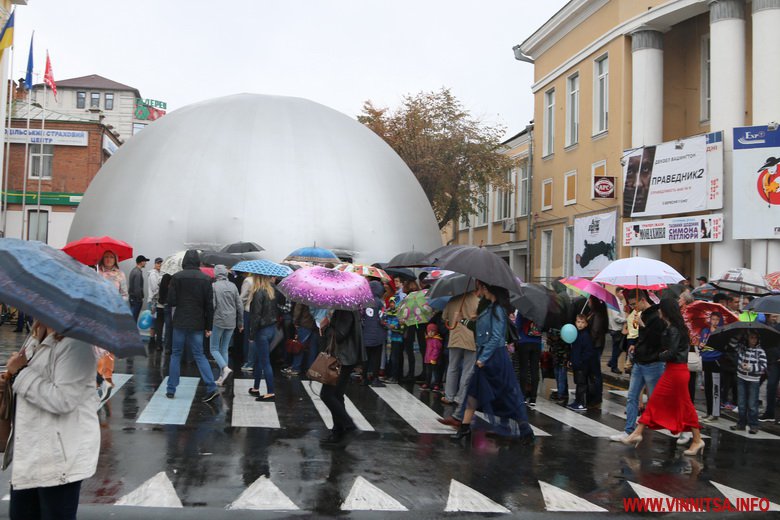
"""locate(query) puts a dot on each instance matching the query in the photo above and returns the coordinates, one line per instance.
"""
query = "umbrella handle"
(460, 310)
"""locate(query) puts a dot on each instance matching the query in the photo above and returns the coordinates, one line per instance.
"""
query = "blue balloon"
(569, 333)
(145, 320)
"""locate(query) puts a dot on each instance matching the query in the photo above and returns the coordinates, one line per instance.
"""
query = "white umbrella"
(172, 264)
(637, 272)
(742, 281)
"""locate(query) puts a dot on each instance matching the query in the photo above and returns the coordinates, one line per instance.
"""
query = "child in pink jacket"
(433, 348)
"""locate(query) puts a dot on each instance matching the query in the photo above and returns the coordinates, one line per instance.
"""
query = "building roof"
(93, 81)
(22, 107)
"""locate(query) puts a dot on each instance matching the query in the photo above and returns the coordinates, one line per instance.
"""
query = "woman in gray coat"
(228, 316)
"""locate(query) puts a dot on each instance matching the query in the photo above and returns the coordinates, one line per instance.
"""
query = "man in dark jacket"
(190, 295)
(135, 289)
(648, 367)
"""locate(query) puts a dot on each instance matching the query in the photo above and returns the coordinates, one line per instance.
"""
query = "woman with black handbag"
(344, 340)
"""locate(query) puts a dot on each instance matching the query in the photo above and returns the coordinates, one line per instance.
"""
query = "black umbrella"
(476, 262)
(241, 247)
(533, 301)
(767, 304)
(720, 338)
(453, 285)
(226, 259)
(407, 259)
(402, 273)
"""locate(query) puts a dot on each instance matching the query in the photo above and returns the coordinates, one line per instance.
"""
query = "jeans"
(219, 344)
(168, 329)
(249, 351)
(311, 339)
(333, 397)
(772, 379)
(194, 340)
(529, 354)
(135, 308)
(617, 347)
(45, 503)
(461, 366)
(642, 375)
(562, 381)
(748, 402)
(397, 359)
(263, 338)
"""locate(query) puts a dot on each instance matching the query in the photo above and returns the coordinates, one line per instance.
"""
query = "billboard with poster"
(680, 230)
(675, 177)
(756, 186)
(594, 243)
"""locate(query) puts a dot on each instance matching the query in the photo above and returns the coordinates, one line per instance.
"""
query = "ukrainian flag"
(7, 36)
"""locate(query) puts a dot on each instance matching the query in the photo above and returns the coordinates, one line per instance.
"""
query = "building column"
(727, 110)
(765, 254)
(647, 99)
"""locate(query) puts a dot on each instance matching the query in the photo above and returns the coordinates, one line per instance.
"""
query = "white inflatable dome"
(280, 171)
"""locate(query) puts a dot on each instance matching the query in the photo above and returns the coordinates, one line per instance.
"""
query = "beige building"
(501, 224)
(612, 75)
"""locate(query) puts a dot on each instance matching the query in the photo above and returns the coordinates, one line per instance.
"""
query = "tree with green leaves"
(454, 155)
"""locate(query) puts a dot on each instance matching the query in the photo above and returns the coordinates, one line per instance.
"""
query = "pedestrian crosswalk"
(245, 412)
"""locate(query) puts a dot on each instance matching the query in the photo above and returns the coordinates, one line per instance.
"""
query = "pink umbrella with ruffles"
(327, 289)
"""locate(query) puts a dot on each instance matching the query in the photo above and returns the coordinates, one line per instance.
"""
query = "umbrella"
(721, 338)
(697, 316)
(241, 247)
(773, 280)
(415, 309)
(585, 287)
(90, 250)
(438, 304)
(533, 301)
(705, 292)
(327, 289)
(316, 255)
(637, 272)
(406, 259)
(226, 259)
(364, 270)
(453, 285)
(401, 272)
(172, 264)
(476, 262)
(767, 304)
(208, 271)
(742, 281)
(262, 267)
(292, 264)
(67, 296)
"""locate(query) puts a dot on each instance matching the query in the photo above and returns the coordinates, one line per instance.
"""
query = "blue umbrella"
(262, 267)
(67, 296)
(313, 254)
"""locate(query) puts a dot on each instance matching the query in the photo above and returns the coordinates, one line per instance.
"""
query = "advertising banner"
(47, 136)
(756, 187)
(673, 177)
(594, 243)
(703, 228)
(603, 187)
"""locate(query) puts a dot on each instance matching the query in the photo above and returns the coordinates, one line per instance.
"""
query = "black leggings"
(528, 355)
(47, 503)
(374, 362)
(692, 386)
(409, 335)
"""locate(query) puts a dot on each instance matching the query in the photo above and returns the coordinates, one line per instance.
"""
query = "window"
(601, 95)
(38, 225)
(465, 221)
(546, 257)
(137, 127)
(482, 212)
(504, 198)
(597, 169)
(570, 188)
(573, 110)
(547, 201)
(40, 161)
(548, 145)
(81, 99)
(705, 78)
(568, 251)
(523, 189)
(94, 100)
(109, 103)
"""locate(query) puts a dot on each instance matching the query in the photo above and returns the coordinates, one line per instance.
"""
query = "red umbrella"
(90, 250)
(697, 316)
(208, 270)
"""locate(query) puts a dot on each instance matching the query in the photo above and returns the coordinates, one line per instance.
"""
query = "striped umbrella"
(67, 296)
(585, 287)
(364, 270)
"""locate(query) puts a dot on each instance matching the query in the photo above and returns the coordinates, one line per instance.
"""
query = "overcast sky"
(337, 52)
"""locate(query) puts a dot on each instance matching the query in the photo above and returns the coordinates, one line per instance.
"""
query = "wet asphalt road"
(210, 462)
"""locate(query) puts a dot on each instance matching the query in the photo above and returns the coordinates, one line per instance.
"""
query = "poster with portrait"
(594, 243)
(756, 186)
(680, 230)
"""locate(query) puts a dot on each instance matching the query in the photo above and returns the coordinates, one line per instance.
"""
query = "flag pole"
(6, 173)
(41, 162)
(26, 165)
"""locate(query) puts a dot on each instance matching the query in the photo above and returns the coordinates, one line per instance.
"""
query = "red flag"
(48, 76)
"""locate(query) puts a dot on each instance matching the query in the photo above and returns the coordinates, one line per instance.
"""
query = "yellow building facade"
(612, 75)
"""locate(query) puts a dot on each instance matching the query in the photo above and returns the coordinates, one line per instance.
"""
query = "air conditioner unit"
(509, 226)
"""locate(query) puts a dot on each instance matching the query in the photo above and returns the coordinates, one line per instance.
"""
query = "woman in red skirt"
(670, 404)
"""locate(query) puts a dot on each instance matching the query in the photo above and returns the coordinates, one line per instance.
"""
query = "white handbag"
(694, 360)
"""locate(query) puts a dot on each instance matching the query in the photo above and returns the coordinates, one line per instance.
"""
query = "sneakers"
(577, 407)
(618, 437)
(376, 383)
(290, 372)
(531, 401)
(169, 395)
(737, 427)
(226, 373)
(211, 396)
(765, 418)
(709, 419)
(554, 395)
(684, 438)
(247, 368)
(753, 430)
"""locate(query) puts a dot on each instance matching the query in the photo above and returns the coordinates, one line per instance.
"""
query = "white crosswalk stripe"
(574, 419)
(725, 425)
(463, 498)
(313, 388)
(666, 502)
(263, 495)
(557, 499)
(119, 382)
(734, 495)
(158, 491)
(416, 413)
(364, 496)
(161, 410)
(247, 412)
(537, 431)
